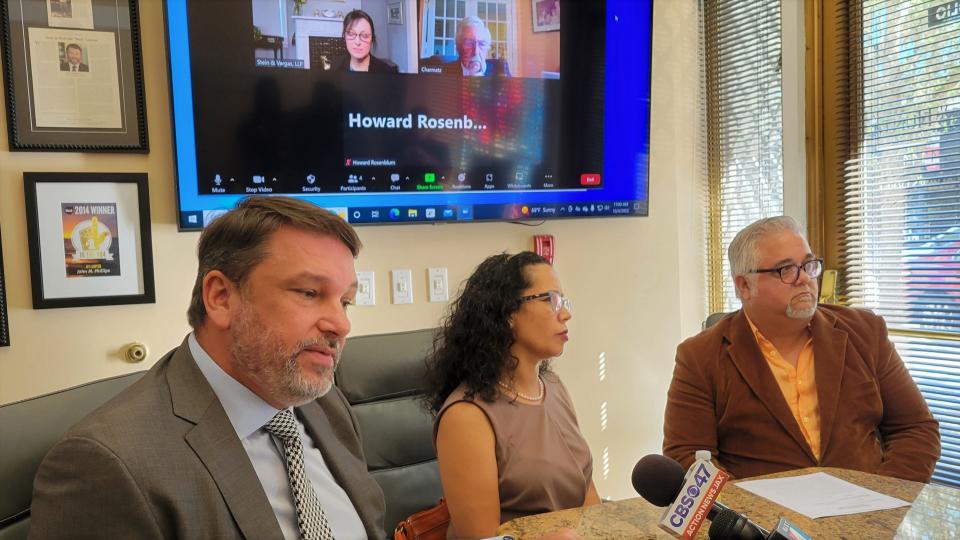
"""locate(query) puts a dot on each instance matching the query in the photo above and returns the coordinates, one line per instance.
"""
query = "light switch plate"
(437, 284)
(401, 286)
(366, 289)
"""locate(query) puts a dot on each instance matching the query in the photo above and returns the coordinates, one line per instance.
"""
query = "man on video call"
(785, 384)
(74, 55)
(473, 44)
(239, 431)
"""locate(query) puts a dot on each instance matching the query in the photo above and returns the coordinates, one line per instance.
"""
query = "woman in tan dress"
(506, 432)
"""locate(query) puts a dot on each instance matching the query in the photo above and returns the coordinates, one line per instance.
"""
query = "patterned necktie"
(310, 517)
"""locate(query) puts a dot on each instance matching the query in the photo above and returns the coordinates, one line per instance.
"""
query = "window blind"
(899, 237)
(742, 79)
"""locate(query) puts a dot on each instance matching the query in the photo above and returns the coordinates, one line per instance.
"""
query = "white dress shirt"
(248, 413)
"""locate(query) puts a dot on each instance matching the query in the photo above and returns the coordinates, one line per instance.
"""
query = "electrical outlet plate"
(366, 289)
(401, 286)
(437, 284)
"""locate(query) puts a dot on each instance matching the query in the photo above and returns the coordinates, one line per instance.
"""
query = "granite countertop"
(935, 513)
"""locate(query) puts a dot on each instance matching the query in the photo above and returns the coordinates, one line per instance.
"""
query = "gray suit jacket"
(161, 460)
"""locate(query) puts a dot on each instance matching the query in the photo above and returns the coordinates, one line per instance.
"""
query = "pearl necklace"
(528, 398)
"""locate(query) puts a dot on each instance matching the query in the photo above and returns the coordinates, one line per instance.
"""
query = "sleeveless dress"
(543, 461)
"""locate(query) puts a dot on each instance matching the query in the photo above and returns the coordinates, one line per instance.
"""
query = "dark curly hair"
(473, 345)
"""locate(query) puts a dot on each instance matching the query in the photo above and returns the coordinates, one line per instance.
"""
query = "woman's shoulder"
(462, 394)
(459, 394)
(461, 412)
(382, 66)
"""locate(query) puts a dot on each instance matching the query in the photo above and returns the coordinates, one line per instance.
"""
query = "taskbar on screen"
(198, 219)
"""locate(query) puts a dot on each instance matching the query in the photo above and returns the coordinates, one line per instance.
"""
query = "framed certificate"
(89, 236)
(74, 75)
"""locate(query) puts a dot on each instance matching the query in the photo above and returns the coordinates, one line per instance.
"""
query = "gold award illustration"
(90, 239)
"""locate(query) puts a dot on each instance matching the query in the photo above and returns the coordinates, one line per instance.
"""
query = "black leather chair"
(714, 318)
(28, 429)
(382, 378)
(381, 375)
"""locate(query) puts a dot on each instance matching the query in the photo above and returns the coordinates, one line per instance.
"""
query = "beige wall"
(636, 282)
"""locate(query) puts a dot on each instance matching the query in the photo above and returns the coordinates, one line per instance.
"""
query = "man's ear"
(221, 298)
(743, 287)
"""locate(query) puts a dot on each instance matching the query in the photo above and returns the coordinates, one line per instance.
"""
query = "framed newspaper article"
(89, 236)
(74, 75)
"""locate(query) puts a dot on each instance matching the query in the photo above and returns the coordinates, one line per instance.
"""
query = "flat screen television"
(555, 125)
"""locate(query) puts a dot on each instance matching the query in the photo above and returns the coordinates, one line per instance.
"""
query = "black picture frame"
(4, 320)
(93, 105)
(89, 238)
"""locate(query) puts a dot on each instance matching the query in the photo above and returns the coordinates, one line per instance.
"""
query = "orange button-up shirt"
(798, 385)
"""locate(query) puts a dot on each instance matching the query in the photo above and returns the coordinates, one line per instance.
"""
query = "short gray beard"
(258, 353)
(805, 313)
(792, 312)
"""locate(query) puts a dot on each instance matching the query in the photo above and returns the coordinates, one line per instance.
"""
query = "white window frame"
(429, 19)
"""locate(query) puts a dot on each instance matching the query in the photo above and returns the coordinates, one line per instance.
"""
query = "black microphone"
(659, 479)
(728, 524)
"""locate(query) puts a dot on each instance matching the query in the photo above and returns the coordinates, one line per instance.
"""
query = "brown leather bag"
(429, 524)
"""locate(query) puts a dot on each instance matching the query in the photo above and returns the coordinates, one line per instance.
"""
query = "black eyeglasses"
(364, 37)
(790, 273)
(557, 300)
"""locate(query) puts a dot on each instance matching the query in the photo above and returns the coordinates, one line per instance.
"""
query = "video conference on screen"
(459, 107)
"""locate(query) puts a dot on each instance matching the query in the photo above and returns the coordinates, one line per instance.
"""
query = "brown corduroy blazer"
(724, 398)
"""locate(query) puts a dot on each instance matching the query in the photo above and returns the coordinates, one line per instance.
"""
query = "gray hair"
(474, 21)
(742, 252)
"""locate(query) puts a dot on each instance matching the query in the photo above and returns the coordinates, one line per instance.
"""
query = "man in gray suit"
(193, 449)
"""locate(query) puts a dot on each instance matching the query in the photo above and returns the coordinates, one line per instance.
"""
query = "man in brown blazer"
(190, 450)
(786, 384)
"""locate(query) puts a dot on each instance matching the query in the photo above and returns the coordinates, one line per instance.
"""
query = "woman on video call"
(506, 433)
(359, 37)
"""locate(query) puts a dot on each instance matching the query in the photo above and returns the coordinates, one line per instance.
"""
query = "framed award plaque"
(89, 236)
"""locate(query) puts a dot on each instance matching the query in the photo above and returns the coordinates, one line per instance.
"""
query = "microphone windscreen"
(658, 479)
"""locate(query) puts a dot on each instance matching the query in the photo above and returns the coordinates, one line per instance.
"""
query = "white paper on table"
(819, 495)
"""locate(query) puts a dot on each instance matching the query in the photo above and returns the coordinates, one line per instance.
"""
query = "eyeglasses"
(364, 37)
(790, 273)
(557, 300)
(475, 43)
